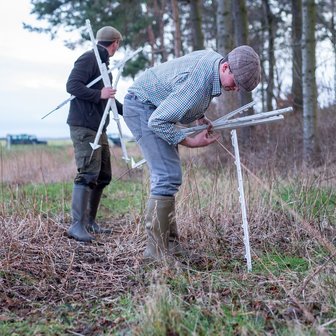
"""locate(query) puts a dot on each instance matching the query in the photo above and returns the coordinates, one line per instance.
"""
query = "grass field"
(51, 285)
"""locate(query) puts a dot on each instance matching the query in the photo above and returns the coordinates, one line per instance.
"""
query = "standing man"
(85, 115)
(179, 91)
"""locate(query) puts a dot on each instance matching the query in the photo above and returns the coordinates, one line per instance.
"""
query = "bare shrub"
(41, 269)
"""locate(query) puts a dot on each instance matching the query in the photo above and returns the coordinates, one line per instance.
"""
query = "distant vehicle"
(115, 139)
(24, 139)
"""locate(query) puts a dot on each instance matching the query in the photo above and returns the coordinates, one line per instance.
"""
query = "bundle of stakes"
(226, 122)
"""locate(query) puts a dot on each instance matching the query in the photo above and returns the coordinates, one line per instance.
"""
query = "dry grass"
(104, 287)
(35, 164)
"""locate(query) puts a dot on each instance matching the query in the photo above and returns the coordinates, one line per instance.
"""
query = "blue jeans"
(163, 159)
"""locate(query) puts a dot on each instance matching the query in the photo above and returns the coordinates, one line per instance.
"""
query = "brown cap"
(108, 33)
(244, 63)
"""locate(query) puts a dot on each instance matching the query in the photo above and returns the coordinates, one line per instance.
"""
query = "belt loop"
(131, 96)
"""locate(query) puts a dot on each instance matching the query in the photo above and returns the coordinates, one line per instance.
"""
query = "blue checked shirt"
(181, 89)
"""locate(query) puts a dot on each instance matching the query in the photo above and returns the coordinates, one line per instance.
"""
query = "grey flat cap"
(108, 33)
(244, 63)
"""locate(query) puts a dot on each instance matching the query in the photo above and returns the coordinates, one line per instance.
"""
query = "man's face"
(114, 47)
(227, 78)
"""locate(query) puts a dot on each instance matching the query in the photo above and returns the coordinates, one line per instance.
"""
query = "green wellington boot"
(175, 246)
(157, 226)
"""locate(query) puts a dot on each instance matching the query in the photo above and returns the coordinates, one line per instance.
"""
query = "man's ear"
(224, 66)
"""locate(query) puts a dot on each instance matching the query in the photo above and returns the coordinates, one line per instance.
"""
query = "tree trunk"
(227, 101)
(270, 24)
(196, 23)
(311, 151)
(177, 26)
(224, 27)
(297, 55)
(159, 10)
(241, 34)
(151, 41)
(333, 41)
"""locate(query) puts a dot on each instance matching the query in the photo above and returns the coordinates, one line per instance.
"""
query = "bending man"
(179, 91)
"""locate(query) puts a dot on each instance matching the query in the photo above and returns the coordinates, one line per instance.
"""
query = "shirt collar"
(104, 55)
(216, 87)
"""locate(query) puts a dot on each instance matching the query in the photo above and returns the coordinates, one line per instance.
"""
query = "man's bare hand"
(107, 93)
(204, 121)
(202, 139)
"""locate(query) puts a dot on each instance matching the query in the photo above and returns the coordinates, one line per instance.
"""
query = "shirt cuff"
(180, 136)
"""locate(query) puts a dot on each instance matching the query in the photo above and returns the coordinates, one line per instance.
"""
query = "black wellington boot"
(80, 199)
(93, 205)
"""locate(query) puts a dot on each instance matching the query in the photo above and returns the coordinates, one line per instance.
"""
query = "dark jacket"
(87, 109)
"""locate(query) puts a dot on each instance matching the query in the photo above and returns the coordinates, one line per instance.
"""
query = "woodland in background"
(52, 285)
(295, 39)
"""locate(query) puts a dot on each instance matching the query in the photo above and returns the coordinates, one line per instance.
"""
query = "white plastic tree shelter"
(242, 200)
(118, 66)
(111, 104)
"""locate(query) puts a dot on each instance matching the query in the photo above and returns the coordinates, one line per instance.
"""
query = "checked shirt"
(181, 90)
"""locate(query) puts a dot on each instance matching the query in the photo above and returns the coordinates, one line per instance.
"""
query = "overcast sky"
(33, 73)
(34, 70)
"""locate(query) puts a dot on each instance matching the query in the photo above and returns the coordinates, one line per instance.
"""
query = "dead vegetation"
(105, 288)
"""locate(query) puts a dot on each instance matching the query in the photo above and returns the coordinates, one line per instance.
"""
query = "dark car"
(25, 139)
(115, 139)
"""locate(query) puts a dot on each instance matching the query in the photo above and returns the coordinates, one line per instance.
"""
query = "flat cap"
(244, 63)
(108, 33)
